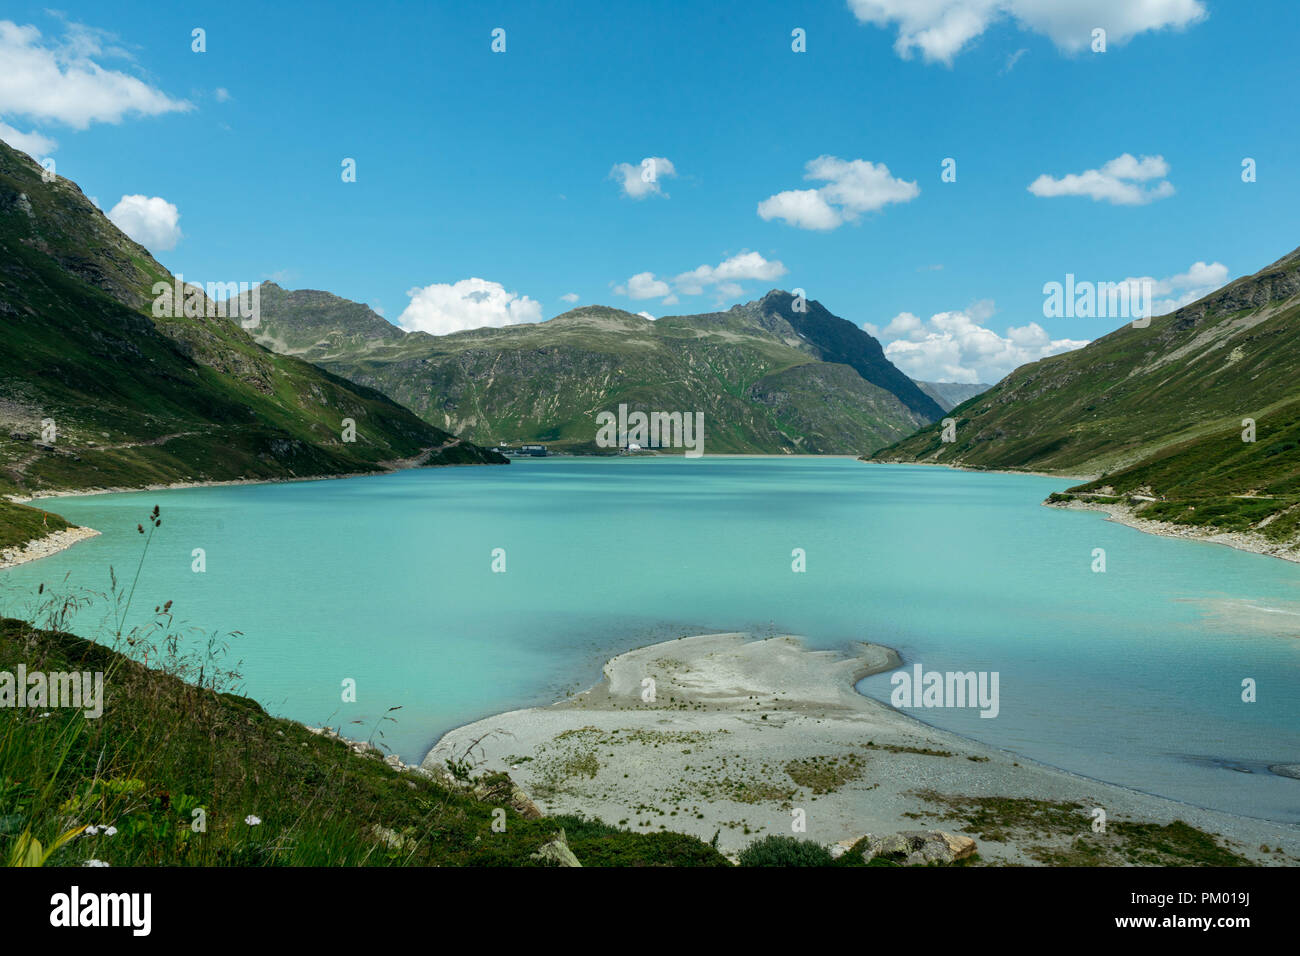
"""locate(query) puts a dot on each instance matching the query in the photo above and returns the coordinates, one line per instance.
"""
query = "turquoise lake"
(1133, 676)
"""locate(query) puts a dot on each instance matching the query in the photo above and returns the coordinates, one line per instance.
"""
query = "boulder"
(920, 847)
(389, 838)
(844, 846)
(501, 790)
(557, 852)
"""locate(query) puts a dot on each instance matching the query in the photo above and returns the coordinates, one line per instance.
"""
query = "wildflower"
(94, 863)
(253, 821)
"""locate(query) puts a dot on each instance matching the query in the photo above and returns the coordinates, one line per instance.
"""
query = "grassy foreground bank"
(186, 774)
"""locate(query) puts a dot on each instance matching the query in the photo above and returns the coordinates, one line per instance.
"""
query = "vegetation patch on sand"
(1060, 833)
(825, 774)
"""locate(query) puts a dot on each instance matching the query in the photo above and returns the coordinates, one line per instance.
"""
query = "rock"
(500, 789)
(920, 847)
(523, 804)
(389, 838)
(839, 849)
(557, 852)
(439, 774)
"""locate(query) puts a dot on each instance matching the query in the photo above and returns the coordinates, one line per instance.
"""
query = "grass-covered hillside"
(1157, 414)
(134, 399)
(20, 524)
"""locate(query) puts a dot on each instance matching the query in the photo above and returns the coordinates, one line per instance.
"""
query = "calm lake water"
(1132, 676)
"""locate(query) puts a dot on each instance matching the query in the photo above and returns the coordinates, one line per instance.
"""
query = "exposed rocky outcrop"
(557, 852)
(920, 847)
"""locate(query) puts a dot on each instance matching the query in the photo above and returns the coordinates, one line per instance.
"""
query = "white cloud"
(1177, 291)
(646, 315)
(33, 143)
(956, 347)
(150, 220)
(570, 297)
(852, 188)
(727, 274)
(61, 83)
(1069, 23)
(643, 285)
(804, 208)
(722, 281)
(642, 179)
(1118, 182)
(443, 308)
(222, 94)
(940, 29)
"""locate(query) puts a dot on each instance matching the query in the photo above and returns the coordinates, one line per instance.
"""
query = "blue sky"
(500, 167)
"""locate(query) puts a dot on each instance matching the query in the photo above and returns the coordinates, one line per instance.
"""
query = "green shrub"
(784, 851)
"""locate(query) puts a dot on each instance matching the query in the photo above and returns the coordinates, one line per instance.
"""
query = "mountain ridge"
(767, 378)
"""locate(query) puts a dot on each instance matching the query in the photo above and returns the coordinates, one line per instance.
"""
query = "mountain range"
(1192, 418)
(777, 375)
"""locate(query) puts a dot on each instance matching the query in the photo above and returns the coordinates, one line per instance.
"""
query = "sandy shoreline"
(1126, 515)
(39, 548)
(743, 732)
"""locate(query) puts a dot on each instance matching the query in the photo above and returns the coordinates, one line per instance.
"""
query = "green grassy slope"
(20, 524)
(164, 748)
(1158, 412)
(138, 400)
(763, 384)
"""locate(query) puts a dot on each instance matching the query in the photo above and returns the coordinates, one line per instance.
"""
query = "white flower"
(94, 863)
(253, 821)
(110, 831)
(92, 830)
